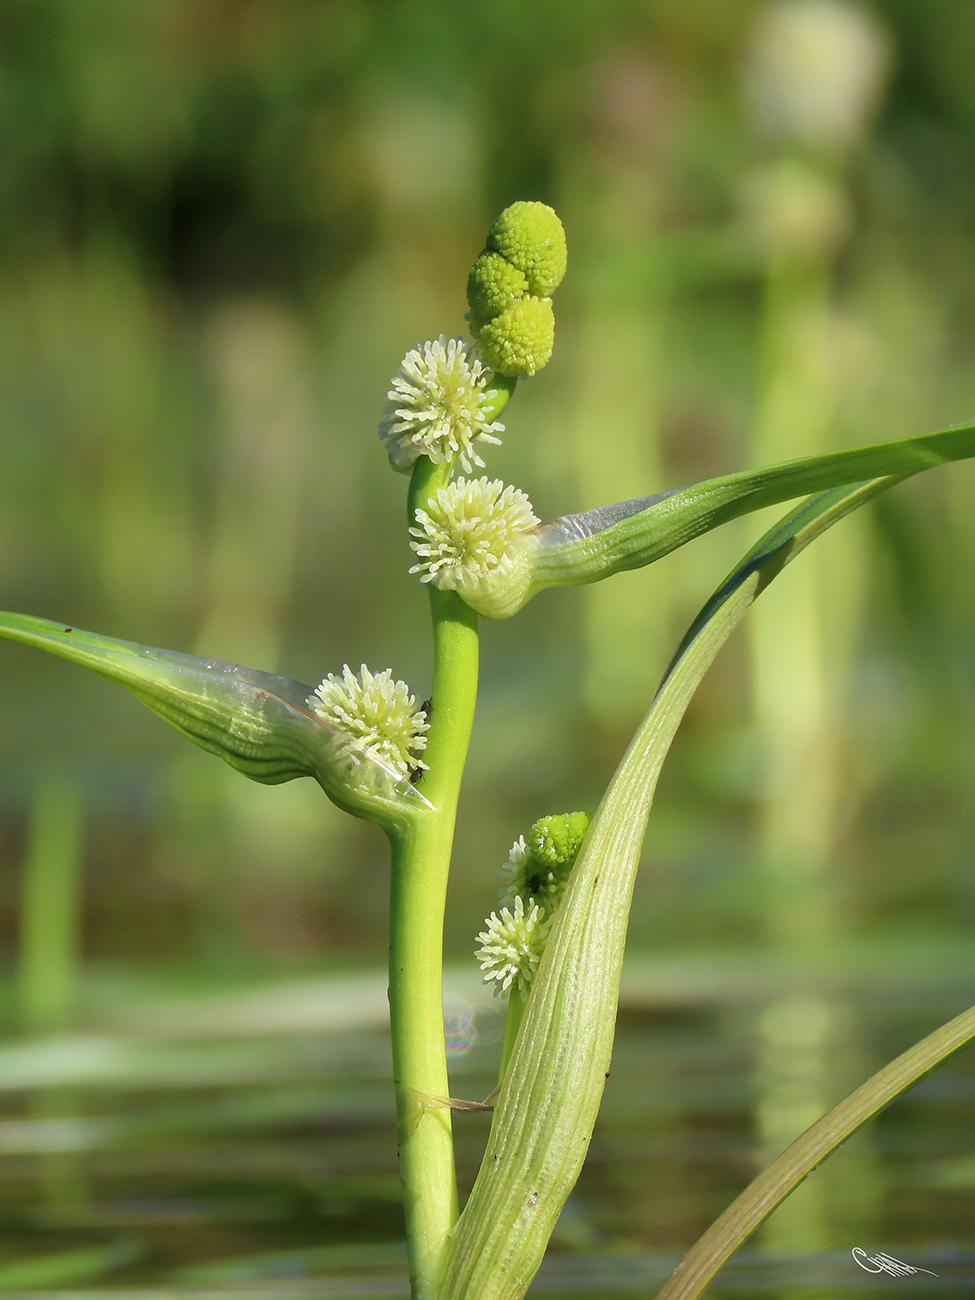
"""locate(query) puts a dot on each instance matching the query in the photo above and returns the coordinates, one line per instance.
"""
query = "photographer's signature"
(881, 1263)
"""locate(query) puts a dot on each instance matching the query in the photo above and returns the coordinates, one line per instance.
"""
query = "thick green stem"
(420, 862)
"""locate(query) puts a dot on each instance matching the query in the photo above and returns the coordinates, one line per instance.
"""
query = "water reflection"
(268, 1157)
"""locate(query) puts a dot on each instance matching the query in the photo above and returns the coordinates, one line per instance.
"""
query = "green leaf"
(582, 548)
(820, 1140)
(257, 722)
(551, 1093)
(66, 1266)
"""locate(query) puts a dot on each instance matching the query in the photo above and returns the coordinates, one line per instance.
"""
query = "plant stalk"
(512, 1023)
(50, 921)
(420, 866)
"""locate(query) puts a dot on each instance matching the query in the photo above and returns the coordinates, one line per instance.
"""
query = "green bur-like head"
(530, 236)
(509, 289)
(538, 871)
(556, 841)
(492, 286)
(520, 340)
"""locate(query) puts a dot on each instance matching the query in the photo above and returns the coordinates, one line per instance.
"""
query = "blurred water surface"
(207, 1150)
(221, 227)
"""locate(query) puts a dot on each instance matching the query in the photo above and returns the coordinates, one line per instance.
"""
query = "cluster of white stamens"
(511, 947)
(523, 875)
(536, 876)
(378, 712)
(436, 406)
(467, 530)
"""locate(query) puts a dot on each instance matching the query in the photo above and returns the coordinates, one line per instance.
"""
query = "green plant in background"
(555, 943)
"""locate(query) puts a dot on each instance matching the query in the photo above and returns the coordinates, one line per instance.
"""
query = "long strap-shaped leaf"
(548, 1103)
(257, 722)
(784, 1174)
(588, 547)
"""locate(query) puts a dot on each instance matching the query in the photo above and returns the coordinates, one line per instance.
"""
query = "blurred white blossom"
(816, 70)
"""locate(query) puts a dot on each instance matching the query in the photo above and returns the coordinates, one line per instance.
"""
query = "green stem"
(50, 920)
(512, 1023)
(420, 865)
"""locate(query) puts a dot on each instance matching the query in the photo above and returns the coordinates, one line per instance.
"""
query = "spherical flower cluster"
(493, 285)
(379, 713)
(816, 70)
(534, 877)
(539, 869)
(520, 341)
(511, 947)
(467, 531)
(530, 236)
(523, 877)
(436, 406)
(510, 286)
(556, 841)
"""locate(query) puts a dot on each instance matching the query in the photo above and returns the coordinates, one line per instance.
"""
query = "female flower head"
(437, 406)
(519, 341)
(510, 286)
(378, 712)
(511, 947)
(530, 237)
(467, 531)
(539, 869)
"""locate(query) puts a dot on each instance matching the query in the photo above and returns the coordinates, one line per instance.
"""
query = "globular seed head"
(520, 340)
(492, 286)
(530, 236)
(557, 840)
(538, 870)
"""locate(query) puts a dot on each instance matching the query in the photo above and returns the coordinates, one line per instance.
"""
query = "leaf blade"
(550, 1097)
(256, 722)
(820, 1140)
(593, 545)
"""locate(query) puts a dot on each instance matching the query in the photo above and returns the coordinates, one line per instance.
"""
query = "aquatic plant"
(554, 945)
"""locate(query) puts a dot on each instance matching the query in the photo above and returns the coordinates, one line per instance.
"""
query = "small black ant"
(417, 772)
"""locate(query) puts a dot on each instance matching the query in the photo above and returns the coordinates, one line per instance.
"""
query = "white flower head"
(816, 70)
(523, 876)
(378, 712)
(436, 406)
(467, 531)
(511, 947)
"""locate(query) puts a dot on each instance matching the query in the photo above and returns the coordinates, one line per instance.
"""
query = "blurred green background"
(222, 223)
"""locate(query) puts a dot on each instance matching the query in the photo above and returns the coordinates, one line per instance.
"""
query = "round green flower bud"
(531, 238)
(492, 286)
(555, 841)
(520, 340)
